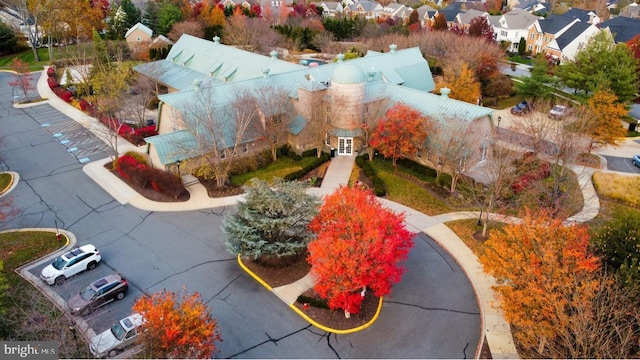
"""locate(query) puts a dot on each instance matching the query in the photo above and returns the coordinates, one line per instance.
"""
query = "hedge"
(378, 185)
(305, 170)
(132, 167)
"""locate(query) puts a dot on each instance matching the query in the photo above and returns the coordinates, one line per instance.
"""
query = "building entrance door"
(345, 146)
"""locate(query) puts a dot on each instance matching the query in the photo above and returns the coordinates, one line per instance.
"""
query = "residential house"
(585, 16)
(566, 45)
(546, 30)
(330, 8)
(512, 26)
(464, 18)
(425, 13)
(632, 10)
(393, 11)
(622, 28)
(343, 94)
(138, 38)
(364, 8)
(536, 7)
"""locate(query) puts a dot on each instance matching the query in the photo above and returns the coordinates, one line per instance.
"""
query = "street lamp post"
(178, 164)
(499, 119)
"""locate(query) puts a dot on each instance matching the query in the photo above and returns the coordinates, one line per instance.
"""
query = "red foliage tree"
(22, 77)
(176, 327)
(359, 245)
(480, 27)
(400, 133)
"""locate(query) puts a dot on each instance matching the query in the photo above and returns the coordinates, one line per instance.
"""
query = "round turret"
(347, 74)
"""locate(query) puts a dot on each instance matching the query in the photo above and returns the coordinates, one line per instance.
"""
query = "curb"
(308, 319)
(15, 177)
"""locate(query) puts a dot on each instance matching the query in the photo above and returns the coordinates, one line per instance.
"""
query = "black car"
(98, 293)
(521, 109)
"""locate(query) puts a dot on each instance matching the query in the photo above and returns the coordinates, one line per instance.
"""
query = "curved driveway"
(432, 313)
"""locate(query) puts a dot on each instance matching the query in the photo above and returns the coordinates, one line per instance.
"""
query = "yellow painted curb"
(342, 332)
(8, 186)
(256, 277)
(304, 316)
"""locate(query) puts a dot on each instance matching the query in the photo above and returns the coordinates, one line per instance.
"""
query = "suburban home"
(365, 8)
(560, 36)
(622, 28)
(585, 16)
(330, 8)
(632, 10)
(330, 102)
(464, 18)
(512, 26)
(536, 7)
(393, 10)
(138, 38)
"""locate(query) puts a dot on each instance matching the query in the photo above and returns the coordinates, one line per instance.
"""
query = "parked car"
(65, 266)
(98, 293)
(521, 109)
(636, 160)
(113, 341)
(558, 112)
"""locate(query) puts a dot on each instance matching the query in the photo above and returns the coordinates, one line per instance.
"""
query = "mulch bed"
(334, 319)
(149, 193)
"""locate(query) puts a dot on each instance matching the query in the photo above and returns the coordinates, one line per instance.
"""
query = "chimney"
(274, 55)
(196, 85)
(265, 72)
(340, 57)
(392, 48)
(216, 39)
(444, 92)
(372, 72)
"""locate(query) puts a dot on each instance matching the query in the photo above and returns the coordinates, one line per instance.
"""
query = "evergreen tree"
(150, 17)
(522, 46)
(168, 14)
(602, 63)
(272, 222)
(133, 15)
(533, 87)
(8, 40)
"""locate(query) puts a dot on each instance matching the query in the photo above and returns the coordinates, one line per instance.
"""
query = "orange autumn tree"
(543, 271)
(176, 326)
(359, 244)
(400, 133)
(606, 113)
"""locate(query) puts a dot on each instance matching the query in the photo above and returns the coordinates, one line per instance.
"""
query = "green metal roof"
(297, 125)
(171, 147)
(347, 74)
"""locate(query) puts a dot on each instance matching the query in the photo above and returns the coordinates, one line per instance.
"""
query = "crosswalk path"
(79, 142)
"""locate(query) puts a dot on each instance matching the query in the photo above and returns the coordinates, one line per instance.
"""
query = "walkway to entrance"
(338, 173)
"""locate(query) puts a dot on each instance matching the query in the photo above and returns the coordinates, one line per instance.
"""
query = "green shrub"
(379, 188)
(312, 165)
(310, 153)
(244, 165)
(166, 183)
(283, 150)
(292, 154)
(319, 303)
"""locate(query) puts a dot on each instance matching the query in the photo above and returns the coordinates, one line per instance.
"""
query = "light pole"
(178, 164)
(499, 119)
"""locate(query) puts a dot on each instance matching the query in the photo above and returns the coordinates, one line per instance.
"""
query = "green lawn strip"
(59, 53)
(412, 195)
(21, 247)
(5, 180)
(280, 168)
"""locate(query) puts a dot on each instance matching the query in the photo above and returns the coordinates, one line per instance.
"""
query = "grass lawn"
(5, 180)
(625, 189)
(280, 168)
(61, 52)
(20, 247)
(520, 60)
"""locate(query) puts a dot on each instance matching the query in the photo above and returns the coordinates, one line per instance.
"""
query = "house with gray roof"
(365, 8)
(622, 28)
(512, 26)
(586, 16)
(566, 45)
(464, 18)
(546, 30)
(330, 102)
(330, 8)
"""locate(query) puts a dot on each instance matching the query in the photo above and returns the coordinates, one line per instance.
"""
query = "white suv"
(122, 334)
(63, 267)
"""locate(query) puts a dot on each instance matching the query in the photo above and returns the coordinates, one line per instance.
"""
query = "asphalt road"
(432, 312)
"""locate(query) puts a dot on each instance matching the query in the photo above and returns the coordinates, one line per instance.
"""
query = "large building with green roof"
(222, 99)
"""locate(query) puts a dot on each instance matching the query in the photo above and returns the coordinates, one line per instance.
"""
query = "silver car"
(558, 112)
(114, 340)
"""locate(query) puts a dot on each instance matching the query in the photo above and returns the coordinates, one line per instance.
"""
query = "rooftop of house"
(571, 34)
(623, 28)
(139, 26)
(583, 15)
(466, 16)
(514, 19)
(553, 24)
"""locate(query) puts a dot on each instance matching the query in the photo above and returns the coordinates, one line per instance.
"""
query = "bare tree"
(219, 131)
(30, 13)
(319, 120)
(136, 104)
(190, 27)
(450, 147)
(276, 114)
(252, 34)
